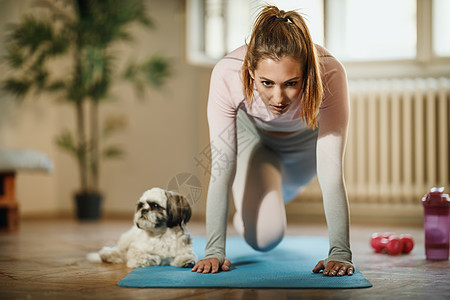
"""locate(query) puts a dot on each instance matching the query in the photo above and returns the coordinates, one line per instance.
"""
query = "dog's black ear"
(178, 209)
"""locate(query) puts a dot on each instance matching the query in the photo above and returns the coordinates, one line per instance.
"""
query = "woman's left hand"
(334, 268)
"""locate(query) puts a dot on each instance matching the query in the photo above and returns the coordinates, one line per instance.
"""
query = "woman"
(278, 111)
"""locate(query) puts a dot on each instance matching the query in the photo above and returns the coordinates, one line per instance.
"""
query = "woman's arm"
(333, 124)
(222, 130)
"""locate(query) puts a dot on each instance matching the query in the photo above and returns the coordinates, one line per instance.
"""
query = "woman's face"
(279, 82)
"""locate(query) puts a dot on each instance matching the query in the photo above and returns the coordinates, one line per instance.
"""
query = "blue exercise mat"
(289, 265)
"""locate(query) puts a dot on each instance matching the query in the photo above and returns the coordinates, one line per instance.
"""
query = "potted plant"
(83, 33)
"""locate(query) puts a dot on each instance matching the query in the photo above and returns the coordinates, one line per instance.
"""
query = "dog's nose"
(144, 211)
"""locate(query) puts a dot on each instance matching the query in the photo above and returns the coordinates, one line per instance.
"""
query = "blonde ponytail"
(276, 34)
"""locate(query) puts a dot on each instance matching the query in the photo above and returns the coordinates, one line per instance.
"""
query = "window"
(216, 27)
(372, 29)
(355, 31)
(311, 10)
(441, 27)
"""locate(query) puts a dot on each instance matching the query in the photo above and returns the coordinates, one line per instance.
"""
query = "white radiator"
(398, 140)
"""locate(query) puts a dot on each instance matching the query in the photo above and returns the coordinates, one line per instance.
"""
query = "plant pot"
(88, 206)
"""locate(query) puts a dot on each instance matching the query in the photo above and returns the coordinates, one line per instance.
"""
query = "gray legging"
(270, 172)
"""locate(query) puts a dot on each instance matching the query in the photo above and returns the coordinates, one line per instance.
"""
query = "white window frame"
(425, 64)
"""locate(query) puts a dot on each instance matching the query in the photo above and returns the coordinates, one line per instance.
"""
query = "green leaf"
(56, 85)
(59, 45)
(153, 72)
(156, 70)
(17, 87)
(76, 91)
(41, 78)
(67, 142)
(109, 18)
(130, 72)
(15, 57)
(113, 152)
(97, 68)
(31, 33)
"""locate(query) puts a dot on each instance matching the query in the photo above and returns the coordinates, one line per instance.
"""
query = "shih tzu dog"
(158, 236)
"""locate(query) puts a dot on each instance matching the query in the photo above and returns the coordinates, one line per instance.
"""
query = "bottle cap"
(436, 198)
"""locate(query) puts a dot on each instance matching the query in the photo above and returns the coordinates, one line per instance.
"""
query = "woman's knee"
(267, 240)
(264, 225)
(260, 239)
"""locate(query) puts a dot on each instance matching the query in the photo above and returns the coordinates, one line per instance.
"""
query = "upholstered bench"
(12, 161)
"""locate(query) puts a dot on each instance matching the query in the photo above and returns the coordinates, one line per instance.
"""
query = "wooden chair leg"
(9, 217)
(9, 208)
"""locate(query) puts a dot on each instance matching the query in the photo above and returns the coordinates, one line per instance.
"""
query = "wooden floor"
(46, 259)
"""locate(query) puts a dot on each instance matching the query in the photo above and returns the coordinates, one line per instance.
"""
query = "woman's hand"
(210, 265)
(334, 268)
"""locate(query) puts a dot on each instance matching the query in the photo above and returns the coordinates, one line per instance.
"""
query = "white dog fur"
(158, 236)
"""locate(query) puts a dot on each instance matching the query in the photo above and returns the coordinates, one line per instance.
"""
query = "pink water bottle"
(436, 206)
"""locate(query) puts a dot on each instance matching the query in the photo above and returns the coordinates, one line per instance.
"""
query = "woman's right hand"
(211, 265)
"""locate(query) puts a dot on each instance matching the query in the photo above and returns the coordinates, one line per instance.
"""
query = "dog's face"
(158, 210)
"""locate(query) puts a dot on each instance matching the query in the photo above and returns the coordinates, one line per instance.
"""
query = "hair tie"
(281, 20)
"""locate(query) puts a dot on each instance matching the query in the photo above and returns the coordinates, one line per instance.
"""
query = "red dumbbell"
(392, 244)
(375, 242)
(408, 243)
(379, 241)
